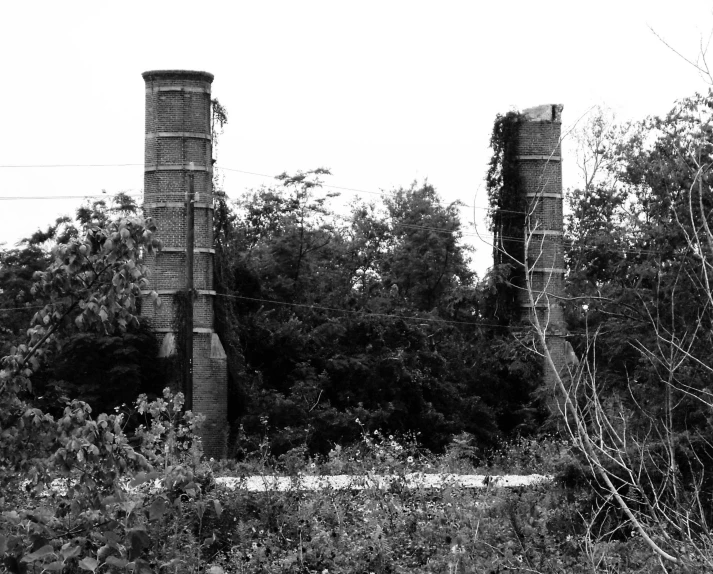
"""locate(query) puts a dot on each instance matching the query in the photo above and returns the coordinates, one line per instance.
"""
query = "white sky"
(381, 93)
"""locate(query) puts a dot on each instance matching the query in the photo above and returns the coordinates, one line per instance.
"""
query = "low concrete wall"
(377, 481)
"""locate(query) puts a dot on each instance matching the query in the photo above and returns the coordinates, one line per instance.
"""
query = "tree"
(94, 282)
(638, 406)
(370, 316)
(103, 369)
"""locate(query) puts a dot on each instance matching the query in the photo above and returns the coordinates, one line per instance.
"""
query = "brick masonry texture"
(171, 223)
(173, 270)
(541, 176)
(542, 181)
(163, 316)
(178, 134)
(540, 138)
(173, 185)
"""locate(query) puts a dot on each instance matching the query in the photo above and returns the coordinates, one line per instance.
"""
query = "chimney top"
(178, 75)
(544, 113)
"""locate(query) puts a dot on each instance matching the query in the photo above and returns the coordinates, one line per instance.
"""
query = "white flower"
(410, 459)
(313, 465)
(357, 421)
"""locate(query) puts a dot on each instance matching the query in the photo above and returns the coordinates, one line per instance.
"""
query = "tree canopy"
(373, 315)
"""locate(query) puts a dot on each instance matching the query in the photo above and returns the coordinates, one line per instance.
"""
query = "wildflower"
(569, 537)
(357, 421)
(410, 459)
(376, 432)
(519, 557)
(313, 465)
(325, 571)
(391, 437)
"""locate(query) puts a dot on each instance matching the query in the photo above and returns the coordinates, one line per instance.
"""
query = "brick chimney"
(540, 168)
(178, 144)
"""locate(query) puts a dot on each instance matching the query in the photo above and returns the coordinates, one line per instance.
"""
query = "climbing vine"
(507, 204)
(177, 362)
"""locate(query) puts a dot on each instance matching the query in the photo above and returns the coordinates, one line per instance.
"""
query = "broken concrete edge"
(303, 482)
(544, 113)
(377, 481)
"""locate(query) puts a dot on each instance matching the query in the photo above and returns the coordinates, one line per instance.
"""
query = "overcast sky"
(381, 93)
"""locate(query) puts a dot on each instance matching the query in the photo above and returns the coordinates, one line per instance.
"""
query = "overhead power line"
(44, 197)
(91, 165)
(479, 235)
(361, 313)
(365, 314)
(353, 189)
(59, 165)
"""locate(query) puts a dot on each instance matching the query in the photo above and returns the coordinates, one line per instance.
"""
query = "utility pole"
(190, 219)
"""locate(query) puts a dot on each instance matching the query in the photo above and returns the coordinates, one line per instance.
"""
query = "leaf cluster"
(373, 315)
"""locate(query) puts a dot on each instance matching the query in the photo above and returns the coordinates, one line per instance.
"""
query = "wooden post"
(190, 225)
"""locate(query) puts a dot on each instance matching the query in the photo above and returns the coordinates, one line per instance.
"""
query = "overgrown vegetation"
(374, 315)
(507, 206)
(639, 405)
(364, 344)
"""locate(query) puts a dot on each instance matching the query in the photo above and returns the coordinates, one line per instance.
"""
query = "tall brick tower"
(540, 170)
(179, 148)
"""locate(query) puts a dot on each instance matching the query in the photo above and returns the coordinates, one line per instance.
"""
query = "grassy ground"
(448, 529)
(417, 530)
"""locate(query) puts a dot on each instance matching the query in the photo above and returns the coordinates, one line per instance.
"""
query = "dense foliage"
(374, 315)
(640, 260)
(507, 206)
(635, 263)
(105, 368)
(343, 330)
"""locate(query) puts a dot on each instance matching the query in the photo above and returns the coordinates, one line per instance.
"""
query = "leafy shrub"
(116, 511)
